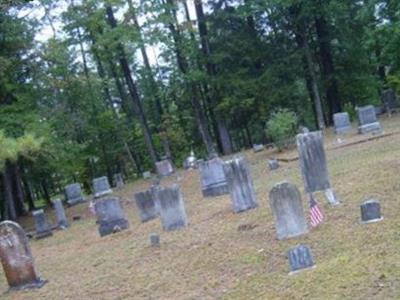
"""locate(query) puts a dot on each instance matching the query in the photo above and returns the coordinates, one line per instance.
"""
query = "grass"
(212, 259)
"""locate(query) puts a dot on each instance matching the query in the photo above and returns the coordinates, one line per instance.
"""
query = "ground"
(212, 259)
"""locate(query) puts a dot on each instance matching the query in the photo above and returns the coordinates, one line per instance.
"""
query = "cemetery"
(199, 149)
(352, 254)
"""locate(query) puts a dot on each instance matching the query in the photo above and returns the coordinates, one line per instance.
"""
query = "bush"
(282, 127)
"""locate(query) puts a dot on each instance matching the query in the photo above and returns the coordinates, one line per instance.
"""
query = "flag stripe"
(316, 214)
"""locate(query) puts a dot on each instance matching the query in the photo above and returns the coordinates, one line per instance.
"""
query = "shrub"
(282, 127)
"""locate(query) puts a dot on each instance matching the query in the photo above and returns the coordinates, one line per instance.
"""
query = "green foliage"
(282, 127)
(350, 109)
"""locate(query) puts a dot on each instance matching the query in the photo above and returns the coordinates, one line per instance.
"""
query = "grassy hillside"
(212, 259)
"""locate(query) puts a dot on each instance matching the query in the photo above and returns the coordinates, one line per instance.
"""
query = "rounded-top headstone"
(287, 208)
(16, 258)
(73, 194)
(300, 258)
(371, 211)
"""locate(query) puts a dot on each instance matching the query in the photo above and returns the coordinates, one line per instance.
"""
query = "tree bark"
(223, 133)
(133, 92)
(328, 70)
(10, 212)
(18, 190)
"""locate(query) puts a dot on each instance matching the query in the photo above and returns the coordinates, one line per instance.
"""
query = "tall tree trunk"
(45, 190)
(154, 87)
(192, 87)
(18, 190)
(223, 133)
(328, 70)
(10, 212)
(133, 92)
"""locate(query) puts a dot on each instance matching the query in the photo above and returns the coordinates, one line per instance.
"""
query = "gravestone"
(190, 162)
(62, 220)
(147, 175)
(287, 208)
(101, 187)
(258, 148)
(240, 185)
(367, 120)
(213, 180)
(154, 240)
(118, 180)
(371, 211)
(273, 164)
(172, 209)
(110, 216)
(164, 167)
(43, 228)
(16, 258)
(300, 258)
(390, 100)
(342, 122)
(314, 169)
(146, 206)
(73, 194)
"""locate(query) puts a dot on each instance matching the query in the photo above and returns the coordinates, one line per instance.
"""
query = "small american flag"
(316, 214)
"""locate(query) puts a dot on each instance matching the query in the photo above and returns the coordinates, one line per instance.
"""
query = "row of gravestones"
(368, 122)
(218, 178)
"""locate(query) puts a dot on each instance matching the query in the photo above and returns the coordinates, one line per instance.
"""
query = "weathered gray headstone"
(371, 211)
(110, 216)
(367, 120)
(146, 206)
(155, 240)
(314, 169)
(62, 220)
(147, 175)
(118, 180)
(389, 99)
(101, 187)
(73, 194)
(258, 148)
(43, 228)
(213, 180)
(287, 208)
(273, 164)
(304, 129)
(240, 184)
(342, 122)
(16, 258)
(164, 167)
(300, 258)
(172, 208)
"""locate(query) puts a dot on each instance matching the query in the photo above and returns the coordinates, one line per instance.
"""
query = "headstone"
(146, 206)
(172, 209)
(273, 164)
(390, 100)
(371, 211)
(16, 258)
(110, 216)
(101, 187)
(213, 180)
(118, 180)
(43, 228)
(147, 175)
(155, 240)
(300, 258)
(240, 185)
(367, 120)
(304, 129)
(287, 208)
(379, 110)
(164, 167)
(314, 169)
(190, 162)
(62, 220)
(342, 122)
(73, 194)
(258, 148)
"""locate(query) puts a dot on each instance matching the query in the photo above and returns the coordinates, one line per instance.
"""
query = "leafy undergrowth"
(212, 259)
